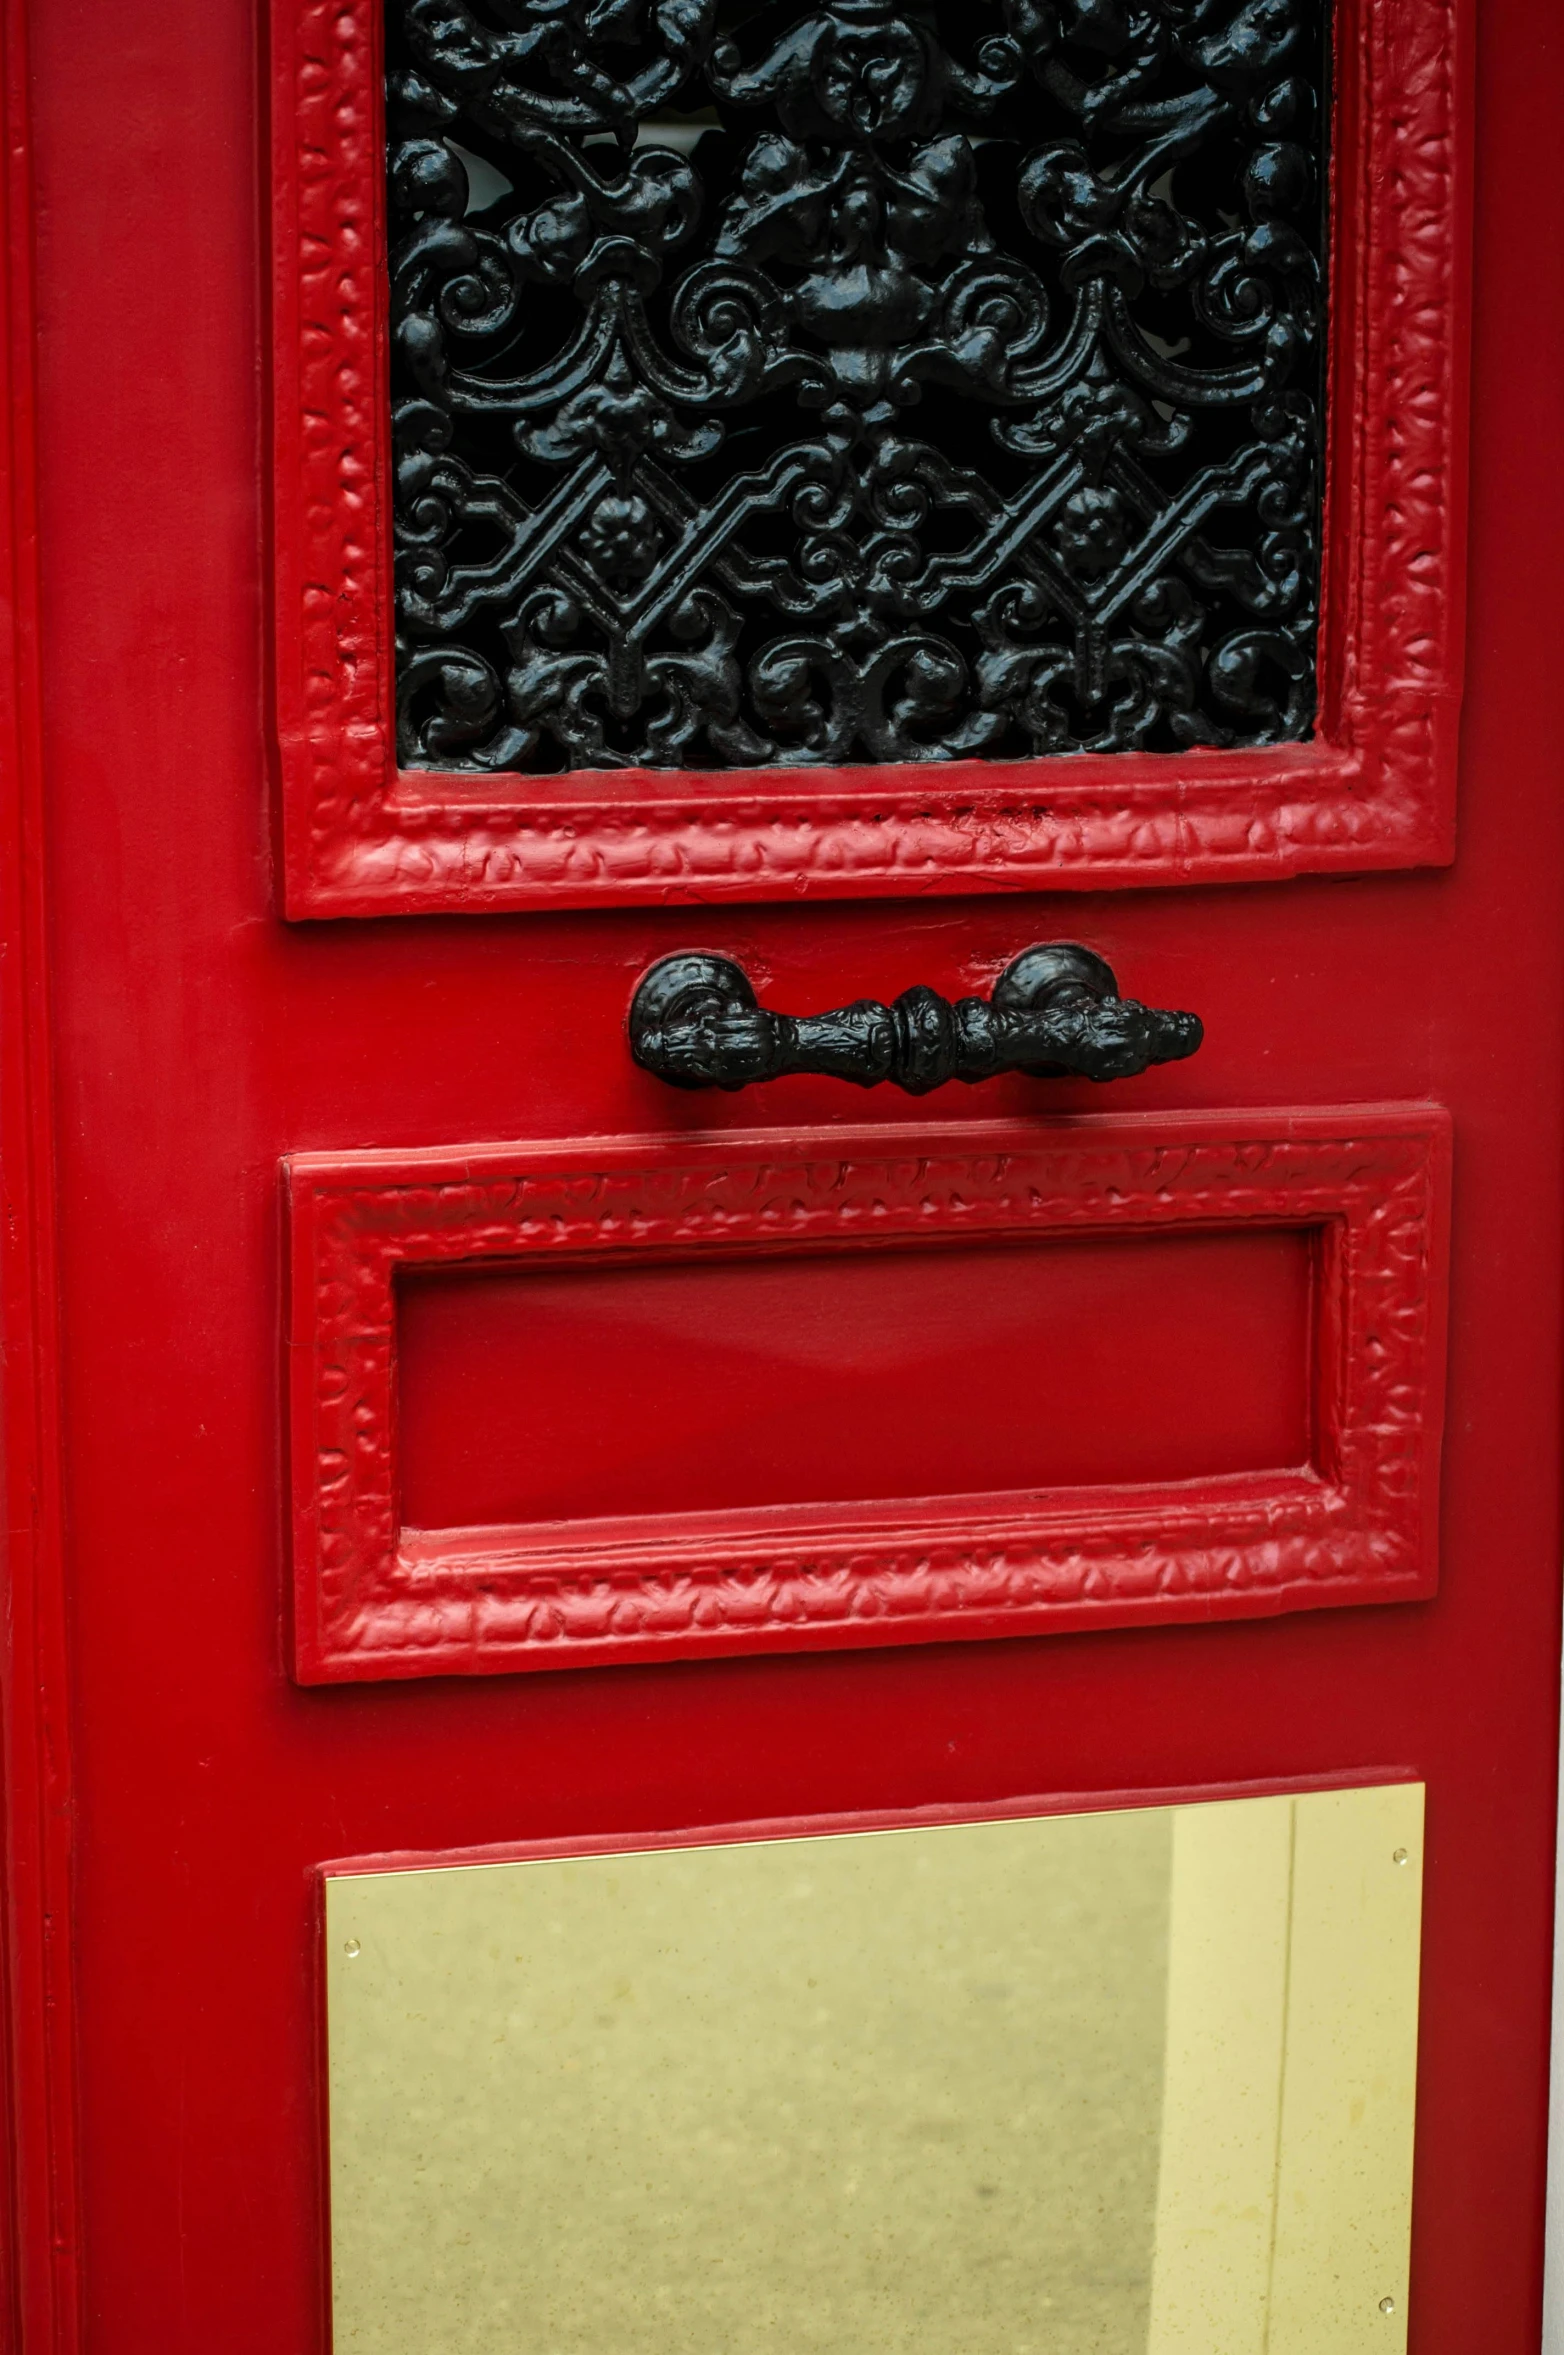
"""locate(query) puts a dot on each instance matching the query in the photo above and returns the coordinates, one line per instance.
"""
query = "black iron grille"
(874, 381)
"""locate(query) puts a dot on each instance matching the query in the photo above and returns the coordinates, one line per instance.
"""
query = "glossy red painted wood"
(39, 2247)
(1374, 788)
(197, 1040)
(719, 1383)
(1351, 1518)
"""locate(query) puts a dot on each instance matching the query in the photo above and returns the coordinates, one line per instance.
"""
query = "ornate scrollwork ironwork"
(696, 1022)
(861, 380)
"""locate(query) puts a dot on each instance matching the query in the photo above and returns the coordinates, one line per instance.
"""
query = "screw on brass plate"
(351, 1947)
(1399, 1857)
(1387, 2305)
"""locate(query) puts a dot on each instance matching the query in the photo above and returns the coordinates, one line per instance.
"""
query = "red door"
(1024, 500)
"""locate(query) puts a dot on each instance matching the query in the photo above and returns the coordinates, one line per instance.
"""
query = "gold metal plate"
(1137, 2082)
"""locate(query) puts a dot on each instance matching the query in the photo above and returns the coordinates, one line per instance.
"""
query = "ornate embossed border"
(1374, 788)
(1355, 1525)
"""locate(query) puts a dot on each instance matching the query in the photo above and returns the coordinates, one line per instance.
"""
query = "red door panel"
(1372, 786)
(165, 2062)
(905, 1537)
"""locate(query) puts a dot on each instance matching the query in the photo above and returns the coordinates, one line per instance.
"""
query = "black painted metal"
(695, 1022)
(876, 380)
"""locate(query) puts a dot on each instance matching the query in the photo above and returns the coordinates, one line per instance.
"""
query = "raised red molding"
(1356, 1524)
(1374, 788)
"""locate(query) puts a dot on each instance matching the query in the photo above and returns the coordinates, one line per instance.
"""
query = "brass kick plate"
(1136, 2082)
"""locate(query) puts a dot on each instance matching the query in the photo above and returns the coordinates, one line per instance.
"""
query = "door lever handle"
(695, 1022)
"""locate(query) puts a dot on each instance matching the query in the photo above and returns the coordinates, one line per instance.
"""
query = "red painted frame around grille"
(1356, 1525)
(1374, 788)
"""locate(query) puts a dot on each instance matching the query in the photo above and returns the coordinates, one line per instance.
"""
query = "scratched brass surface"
(1128, 2083)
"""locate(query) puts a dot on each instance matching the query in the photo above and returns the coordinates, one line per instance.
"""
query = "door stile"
(39, 2236)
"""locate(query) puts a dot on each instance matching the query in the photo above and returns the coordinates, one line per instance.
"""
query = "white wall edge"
(1553, 2262)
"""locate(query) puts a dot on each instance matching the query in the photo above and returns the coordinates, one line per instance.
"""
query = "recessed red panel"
(737, 1393)
(545, 1394)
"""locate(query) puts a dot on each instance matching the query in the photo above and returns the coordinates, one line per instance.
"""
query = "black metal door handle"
(695, 1022)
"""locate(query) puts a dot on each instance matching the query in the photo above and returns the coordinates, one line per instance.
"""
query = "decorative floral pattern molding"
(1355, 1525)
